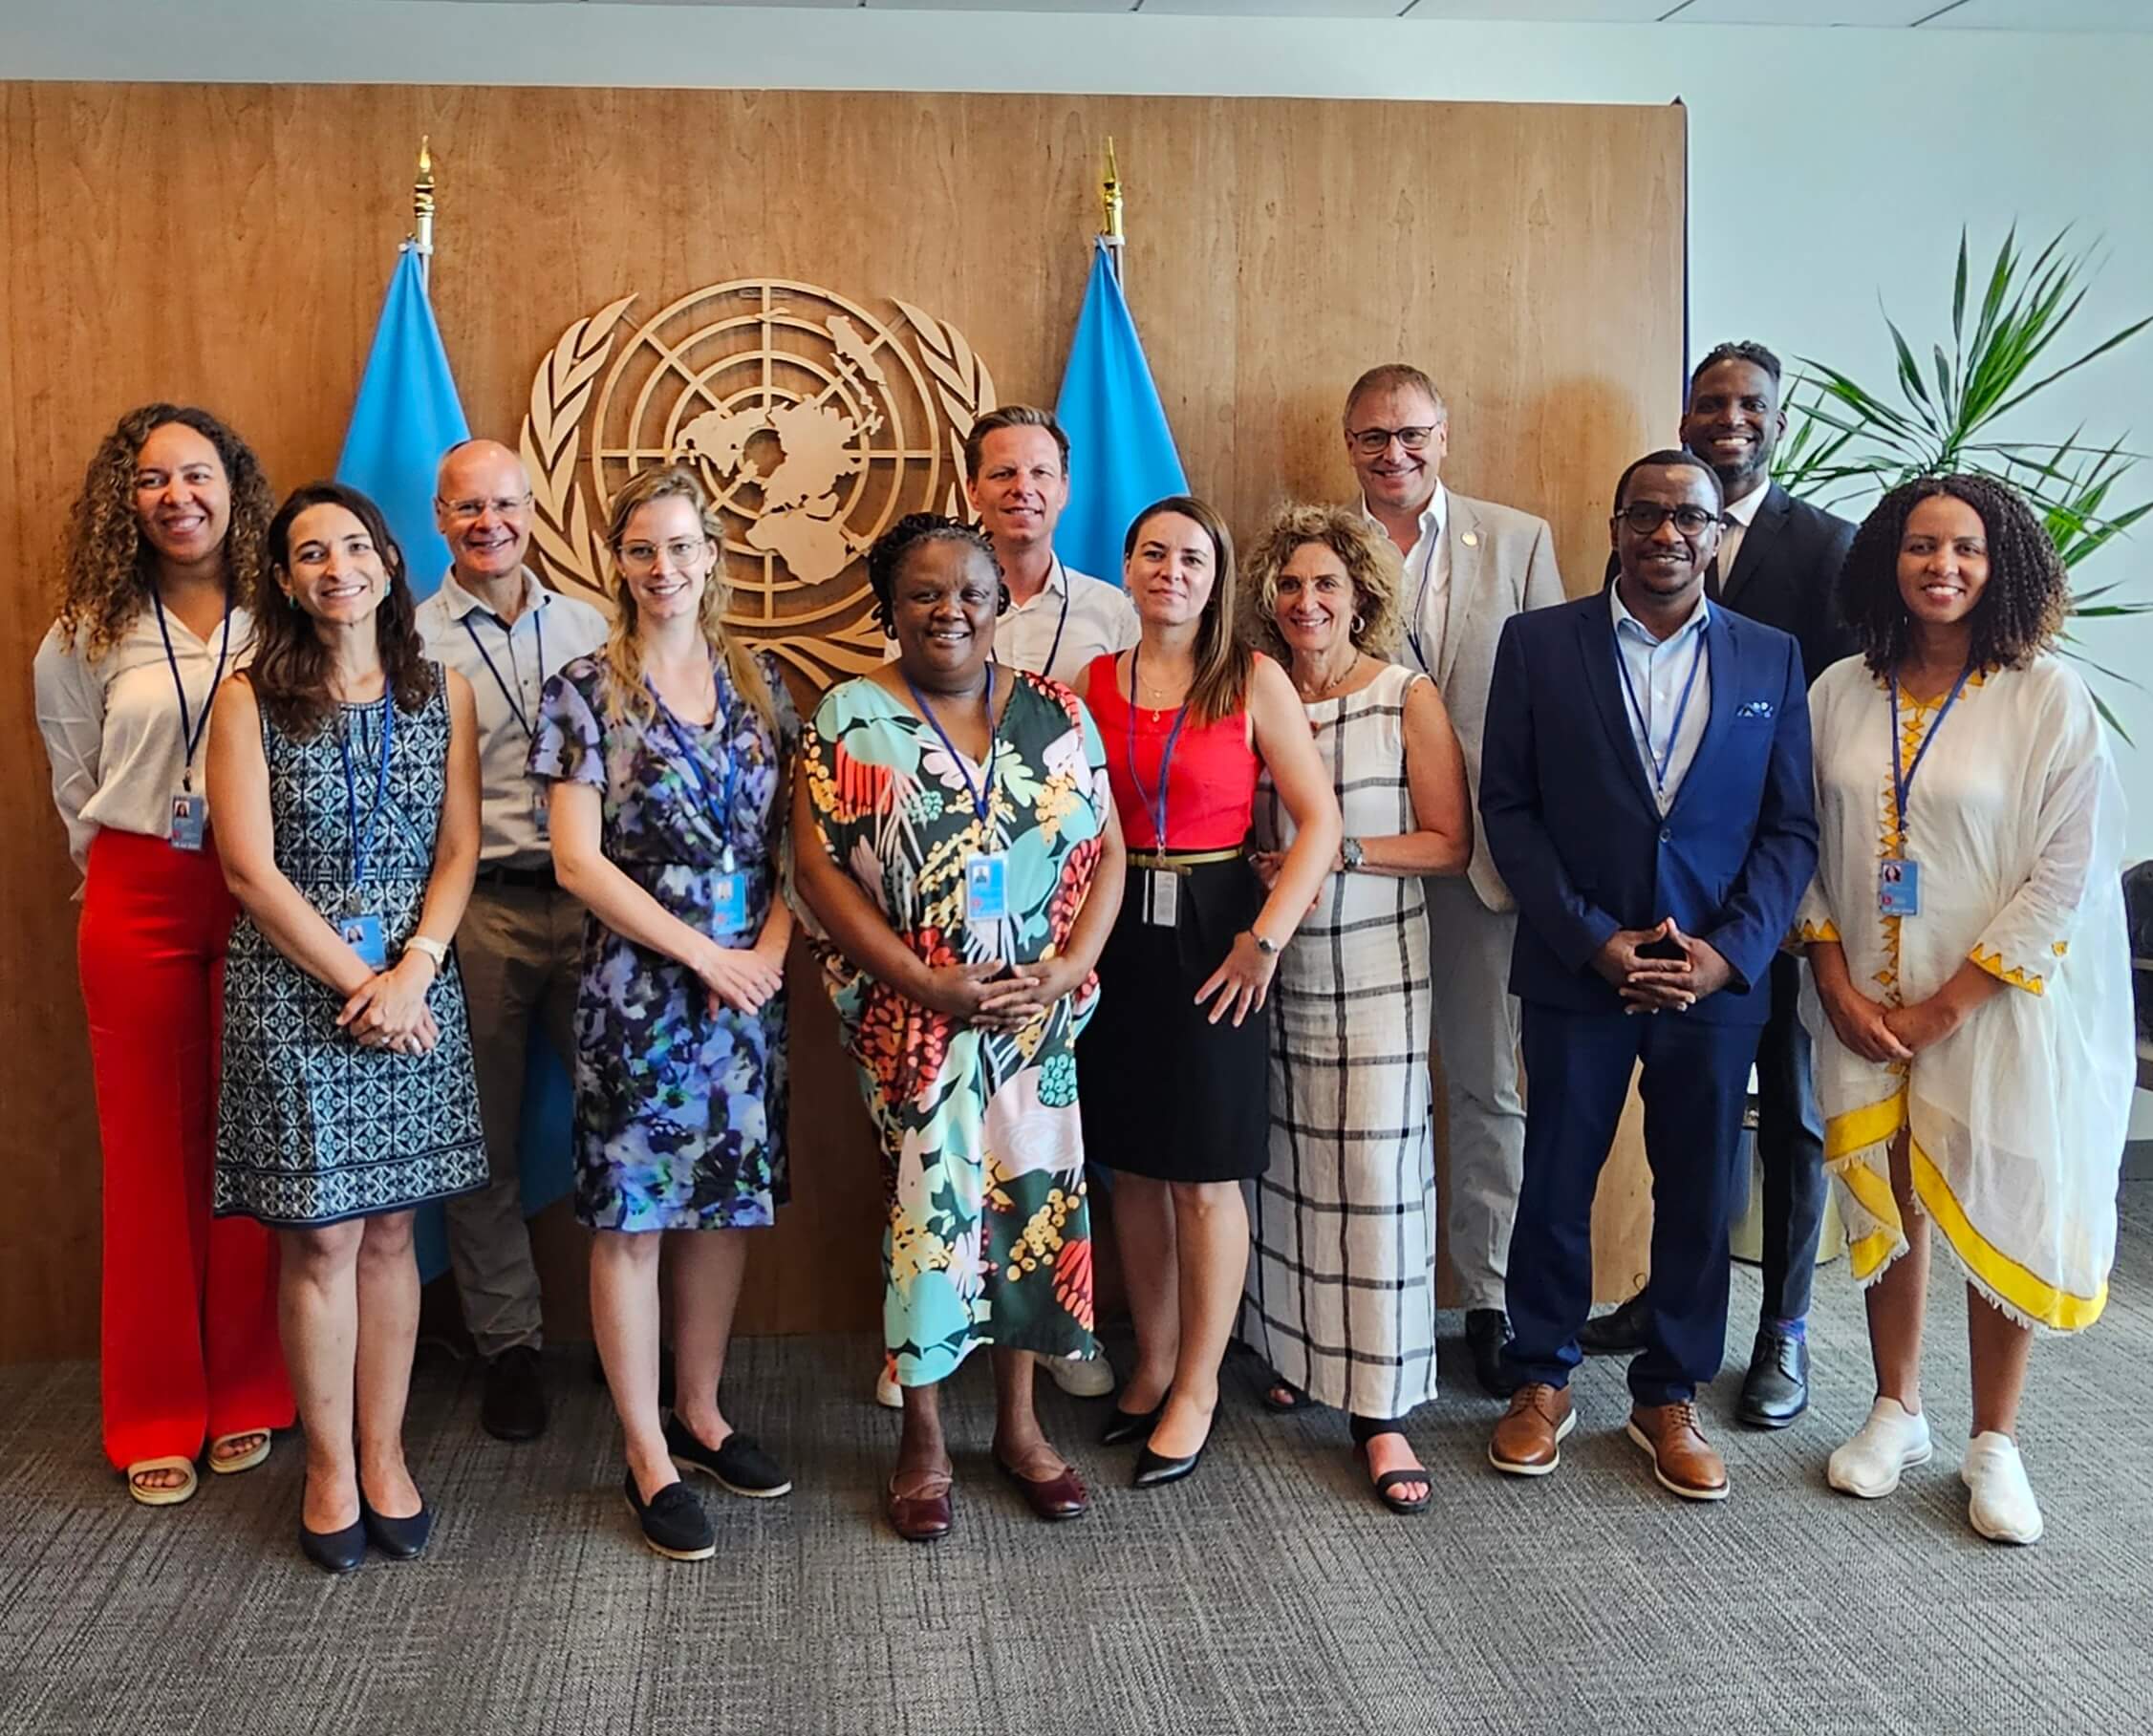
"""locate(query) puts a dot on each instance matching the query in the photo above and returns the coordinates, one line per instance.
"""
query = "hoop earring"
(1358, 625)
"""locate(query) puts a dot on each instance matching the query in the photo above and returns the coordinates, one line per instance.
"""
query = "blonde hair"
(624, 653)
(1371, 563)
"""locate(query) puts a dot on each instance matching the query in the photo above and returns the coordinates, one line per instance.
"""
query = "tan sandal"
(239, 1462)
(163, 1497)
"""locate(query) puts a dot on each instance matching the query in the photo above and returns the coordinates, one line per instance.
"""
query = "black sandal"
(1293, 1398)
(1392, 1480)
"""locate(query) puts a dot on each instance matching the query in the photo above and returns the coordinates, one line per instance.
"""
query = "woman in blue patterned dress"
(666, 757)
(344, 774)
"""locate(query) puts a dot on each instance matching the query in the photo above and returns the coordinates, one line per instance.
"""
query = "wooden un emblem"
(814, 425)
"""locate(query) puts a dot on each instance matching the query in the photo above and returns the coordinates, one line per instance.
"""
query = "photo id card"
(1898, 886)
(986, 888)
(362, 933)
(728, 903)
(1162, 901)
(190, 820)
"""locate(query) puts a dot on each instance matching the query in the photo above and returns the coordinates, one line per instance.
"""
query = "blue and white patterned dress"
(310, 1127)
(680, 1109)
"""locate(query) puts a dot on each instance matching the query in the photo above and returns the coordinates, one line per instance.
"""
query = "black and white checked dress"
(1341, 1294)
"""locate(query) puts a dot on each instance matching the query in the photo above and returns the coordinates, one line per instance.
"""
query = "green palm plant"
(1847, 442)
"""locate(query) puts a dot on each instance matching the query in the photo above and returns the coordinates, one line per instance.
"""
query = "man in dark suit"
(1777, 562)
(1645, 789)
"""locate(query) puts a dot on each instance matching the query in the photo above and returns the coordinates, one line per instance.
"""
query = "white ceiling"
(2132, 16)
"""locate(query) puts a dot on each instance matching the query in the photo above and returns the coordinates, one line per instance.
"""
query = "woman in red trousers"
(163, 549)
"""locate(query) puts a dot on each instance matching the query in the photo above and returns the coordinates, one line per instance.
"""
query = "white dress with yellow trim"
(2017, 1118)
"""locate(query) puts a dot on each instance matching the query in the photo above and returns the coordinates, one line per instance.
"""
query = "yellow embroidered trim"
(1807, 932)
(2061, 949)
(2029, 1295)
(1857, 1129)
(1993, 962)
(1868, 1254)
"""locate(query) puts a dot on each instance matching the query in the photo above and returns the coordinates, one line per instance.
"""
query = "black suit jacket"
(1784, 575)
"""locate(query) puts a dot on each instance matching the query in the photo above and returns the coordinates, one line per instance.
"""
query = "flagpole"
(421, 240)
(1110, 210)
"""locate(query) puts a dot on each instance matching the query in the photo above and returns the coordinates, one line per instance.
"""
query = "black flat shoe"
(513, 1405)
(1155, 1471)
(334, 1552)
(1617, 1332)
(399, 1539)
(1125, 1425)
(1776, 1388)
(739, 1466)
(1487, 1330)
(674, 1523)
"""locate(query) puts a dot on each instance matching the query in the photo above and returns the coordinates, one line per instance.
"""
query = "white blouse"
(2016, 1119)
(112, 726)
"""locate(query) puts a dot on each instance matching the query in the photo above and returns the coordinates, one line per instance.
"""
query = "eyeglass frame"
(1373, 442)
(502, 505)
(1662, 514)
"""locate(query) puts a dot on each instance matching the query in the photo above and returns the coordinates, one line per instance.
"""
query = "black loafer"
(399, 1539)
(674, 1523)
(513, 1407)
(334, 1552)
(1617, 1334)
(1487, 1330)
(1126, 1425)
(740, 1465)
(1776, 1388)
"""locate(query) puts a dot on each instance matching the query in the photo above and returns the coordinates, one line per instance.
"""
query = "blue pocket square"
(1753, 708)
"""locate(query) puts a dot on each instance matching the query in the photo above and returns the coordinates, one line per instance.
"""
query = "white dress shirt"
(508, 667)
(1658, 672)
(1741, 514)
(1075, 619)
(112, 727)
(1425, 586)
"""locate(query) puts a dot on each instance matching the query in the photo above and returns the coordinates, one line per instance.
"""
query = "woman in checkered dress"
(1341, 1295)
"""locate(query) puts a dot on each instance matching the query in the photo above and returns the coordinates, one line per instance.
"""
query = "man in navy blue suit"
(1645, 791)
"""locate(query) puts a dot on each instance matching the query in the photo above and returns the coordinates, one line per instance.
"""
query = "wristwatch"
(1267, 947)
(1351, 855)
(433, 949)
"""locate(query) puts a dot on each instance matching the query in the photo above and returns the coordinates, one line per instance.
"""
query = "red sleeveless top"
(1210, 780)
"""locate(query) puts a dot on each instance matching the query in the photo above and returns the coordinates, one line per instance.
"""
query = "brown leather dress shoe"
(1683, 1460)
(1062, 1497)
(1528, 1441)
(922, 1517)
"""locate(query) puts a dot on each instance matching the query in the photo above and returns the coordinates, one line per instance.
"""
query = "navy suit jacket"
(1571, 821)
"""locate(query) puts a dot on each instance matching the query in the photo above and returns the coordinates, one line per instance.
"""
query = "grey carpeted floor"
(1268, 1593)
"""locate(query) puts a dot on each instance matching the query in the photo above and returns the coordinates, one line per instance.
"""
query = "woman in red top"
(1177, 1055)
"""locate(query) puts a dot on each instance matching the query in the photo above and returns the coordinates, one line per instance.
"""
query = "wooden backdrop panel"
(228, 244)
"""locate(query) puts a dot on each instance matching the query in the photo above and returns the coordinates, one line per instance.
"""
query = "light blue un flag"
(406, 417)
(1121, 456)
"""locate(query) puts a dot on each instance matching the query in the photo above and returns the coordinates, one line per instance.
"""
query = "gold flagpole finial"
(1109, 208)
(422, 202)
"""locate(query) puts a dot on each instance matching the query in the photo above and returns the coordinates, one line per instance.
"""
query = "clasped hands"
(997, 996)
(1650, 984)
(743, 978)
(389, 1010)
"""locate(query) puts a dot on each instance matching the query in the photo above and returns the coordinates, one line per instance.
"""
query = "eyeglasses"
(642, 557)
(1645, 519)
(502, 505)
(1375, 440)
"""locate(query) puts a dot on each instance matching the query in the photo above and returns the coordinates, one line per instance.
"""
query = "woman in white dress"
(1965, 928)
(1341, 1295)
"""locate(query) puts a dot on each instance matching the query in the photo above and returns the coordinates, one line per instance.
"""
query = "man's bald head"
(482, 505)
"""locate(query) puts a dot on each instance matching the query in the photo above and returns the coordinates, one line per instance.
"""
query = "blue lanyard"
(191, 728)
(1661, 762)
(1420, 596)
(691, 768)
(508, 638)
(1155, 805)
(1903, 783)
(362, 842)
(982, 793)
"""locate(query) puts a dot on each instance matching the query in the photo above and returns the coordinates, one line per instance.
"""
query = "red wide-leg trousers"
(189, 1337)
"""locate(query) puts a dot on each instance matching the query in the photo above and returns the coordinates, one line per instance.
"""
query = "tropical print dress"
(680, 1109)
(989, 1235)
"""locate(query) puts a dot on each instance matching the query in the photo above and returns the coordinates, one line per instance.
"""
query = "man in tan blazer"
(1469, 567)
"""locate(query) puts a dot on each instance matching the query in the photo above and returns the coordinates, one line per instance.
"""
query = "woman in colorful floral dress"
(666, 755)
(956, 840)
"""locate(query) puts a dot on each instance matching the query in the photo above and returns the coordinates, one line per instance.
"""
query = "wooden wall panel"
(229, 244)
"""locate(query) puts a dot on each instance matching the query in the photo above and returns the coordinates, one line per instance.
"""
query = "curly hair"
(291, 671)
(2020, 610)
(886, 559)
(623, 654)
(1371, 563)
(106, 567)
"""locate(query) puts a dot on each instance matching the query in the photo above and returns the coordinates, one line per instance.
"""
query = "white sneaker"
(1893, 1440)
(1087, 1380)
(2002, 1508)
(887, 1392)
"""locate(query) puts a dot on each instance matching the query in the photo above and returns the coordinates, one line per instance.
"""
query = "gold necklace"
(1324, 688)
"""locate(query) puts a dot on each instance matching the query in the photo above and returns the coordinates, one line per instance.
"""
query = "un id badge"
(1898, 886)
(728, 903)
(190, 820)
(1162, 898)
(986, 888)
(362, 933)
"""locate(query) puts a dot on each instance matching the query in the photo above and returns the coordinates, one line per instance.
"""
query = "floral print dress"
(989, 1236)
(679, 1109)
